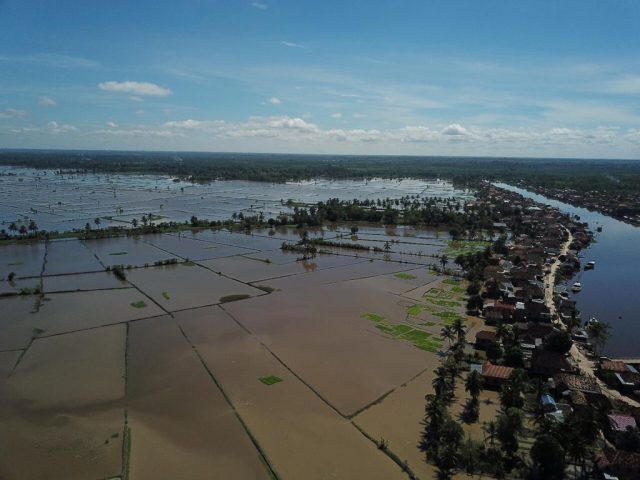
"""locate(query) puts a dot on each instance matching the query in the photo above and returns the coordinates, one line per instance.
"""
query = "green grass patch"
(429, 324)
(462, 247)
(458, 290)
(234, 298)
(138, 304)
(448, 317)
(405, 276)
(165, 295)
(451, 281)
(444, 303)
(189, 263)
(118, 253)
(374, 317)
(419, 338)
(414, 310)
(270, 380)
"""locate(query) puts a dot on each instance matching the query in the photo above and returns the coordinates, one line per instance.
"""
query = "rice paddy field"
(232, 359)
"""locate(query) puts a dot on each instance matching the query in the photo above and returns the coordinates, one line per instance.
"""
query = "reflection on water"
(610, 290)
(65, 202)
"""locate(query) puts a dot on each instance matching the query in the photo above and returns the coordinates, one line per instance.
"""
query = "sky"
(536, 78)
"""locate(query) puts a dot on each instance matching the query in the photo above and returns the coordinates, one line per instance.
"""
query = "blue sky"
(475, 77)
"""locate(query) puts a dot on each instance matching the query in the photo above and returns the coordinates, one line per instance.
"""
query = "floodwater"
(66, 202)
(164, 363)
(610, 290)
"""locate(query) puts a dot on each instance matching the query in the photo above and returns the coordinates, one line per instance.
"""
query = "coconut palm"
(448, 334)
(460, 329)
(473, 384)
(490, 430)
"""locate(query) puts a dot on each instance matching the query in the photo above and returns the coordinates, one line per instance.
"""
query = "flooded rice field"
(63, 202)
(233, 359)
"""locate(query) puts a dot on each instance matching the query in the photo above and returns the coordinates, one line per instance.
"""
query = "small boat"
(576, 287)
(590, 265)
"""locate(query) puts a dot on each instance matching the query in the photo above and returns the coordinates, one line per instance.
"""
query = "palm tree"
(490, 430)
(473, 384)
(443, 261)
(460, 329)
(448, 334)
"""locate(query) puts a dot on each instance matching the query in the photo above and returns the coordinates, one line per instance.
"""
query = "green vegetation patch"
(265, 288)
(139, 304)
(374, 317)
(451, 281)
(444, 303)
(234, 298)
(189, 263)
(448, 318)
(405, 276)
(165, 295)
(15, 264)
(270, 380)
(414, 310)
(419, 338)
(118, 253)
(462, 247)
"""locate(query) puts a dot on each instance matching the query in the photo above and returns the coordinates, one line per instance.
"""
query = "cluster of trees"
(442, 436)
(24, 231)
(410, 210)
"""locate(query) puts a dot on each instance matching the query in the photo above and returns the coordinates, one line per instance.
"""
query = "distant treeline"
(582, 175)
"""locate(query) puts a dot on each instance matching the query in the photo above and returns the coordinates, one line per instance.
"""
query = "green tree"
(599, 333)
(548, 457)
(448, 334)
(511, 393)
(558, 341)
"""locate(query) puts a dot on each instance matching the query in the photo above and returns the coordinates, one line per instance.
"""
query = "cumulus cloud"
(111, 124)
(12, 113)
(47, 102)
(135, 88)
(454, 129)
(336, 115)
(275, 101)
(55, 127)
(140, 112)
(260, 5)
(298, 131)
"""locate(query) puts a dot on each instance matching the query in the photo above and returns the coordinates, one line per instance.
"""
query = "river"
(611, 291)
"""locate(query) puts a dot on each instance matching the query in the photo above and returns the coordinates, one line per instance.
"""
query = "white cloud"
(358, 115)
(135, 88)
(54, 127)
(111, 124)
(292, 44)
(260, 5)
(336, 115)
(275, 101)
(454, 129)
(134, 98)
(140, 112)
(12, 113)
(47, 102)
(628, 84)
(51, 60)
